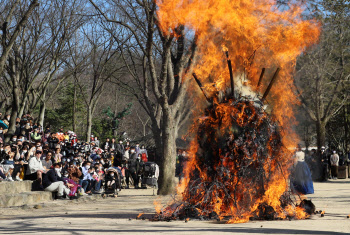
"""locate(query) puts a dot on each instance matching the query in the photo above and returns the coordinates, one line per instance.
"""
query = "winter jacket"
(34, 165)
(51, 177)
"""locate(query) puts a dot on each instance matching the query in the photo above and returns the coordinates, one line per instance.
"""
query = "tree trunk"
(42, 114)
(346, 130)
(167, 167)
(88, 123)
(74, 109)
(115, 131)
(321, 134)
(321, 140)
(14, 112)
(21, 111)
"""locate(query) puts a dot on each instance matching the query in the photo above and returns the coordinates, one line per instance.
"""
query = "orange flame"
(157, 206)
(257, 34)
(141, 214)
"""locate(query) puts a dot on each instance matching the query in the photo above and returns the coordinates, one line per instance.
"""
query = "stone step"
(14, 187)
(24, 198)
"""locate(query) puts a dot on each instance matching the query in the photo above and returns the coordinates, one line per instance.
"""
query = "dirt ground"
(118, 215)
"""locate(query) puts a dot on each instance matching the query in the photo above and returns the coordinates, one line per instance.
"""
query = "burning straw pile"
(238, 166)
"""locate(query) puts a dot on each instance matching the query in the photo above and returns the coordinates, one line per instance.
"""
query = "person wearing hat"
(334, 165)
(35, 167)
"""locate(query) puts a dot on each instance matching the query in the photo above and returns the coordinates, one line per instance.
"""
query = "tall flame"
(257, 34)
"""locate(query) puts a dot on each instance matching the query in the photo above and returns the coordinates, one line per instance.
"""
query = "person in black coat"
(133, 168)
(113, 146)
(53, 182)
(53, 141)
(106, 145)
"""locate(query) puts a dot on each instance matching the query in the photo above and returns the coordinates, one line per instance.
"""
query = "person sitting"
(73, 172)
(2, 175)
(53, 141)
(35, 168)
(47, 163)
(95, 154)
(53, 182)
(57, 155)
(13, 164)
(98, 177)
(35, 135)
(87, 180)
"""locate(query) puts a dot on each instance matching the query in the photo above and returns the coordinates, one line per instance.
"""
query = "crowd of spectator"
(330, 160)
(59, 161)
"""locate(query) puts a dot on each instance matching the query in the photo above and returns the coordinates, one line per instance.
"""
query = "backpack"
(144, 157)
(149, 169)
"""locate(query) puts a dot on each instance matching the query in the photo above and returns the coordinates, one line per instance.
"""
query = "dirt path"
(117, 215)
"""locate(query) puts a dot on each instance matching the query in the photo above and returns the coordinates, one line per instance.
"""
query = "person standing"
(113, 145)
(97, 142)
(133, 168)
(106, 145)
(120, 153)
(334, 165)
(301, 180)
(137, 148)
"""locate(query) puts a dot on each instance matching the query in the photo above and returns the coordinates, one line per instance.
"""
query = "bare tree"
(9, 36)
(323, 72)
(35, 56)
(100, 66)
(143, 122)
(158, 65)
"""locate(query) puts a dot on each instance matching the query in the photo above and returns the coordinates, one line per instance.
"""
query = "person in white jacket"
(334, 165)
(35, 167)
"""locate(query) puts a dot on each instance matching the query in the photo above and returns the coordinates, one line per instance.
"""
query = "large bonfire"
(239, 163)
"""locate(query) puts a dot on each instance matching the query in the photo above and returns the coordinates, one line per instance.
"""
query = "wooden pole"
(261, 77)
(201, 87)
(231, 75)
(270, 85)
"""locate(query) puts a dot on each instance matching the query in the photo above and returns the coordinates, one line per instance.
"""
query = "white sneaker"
(18, 179)
(9, 178)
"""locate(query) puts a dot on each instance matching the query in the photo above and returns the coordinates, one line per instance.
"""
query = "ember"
(139, 215)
